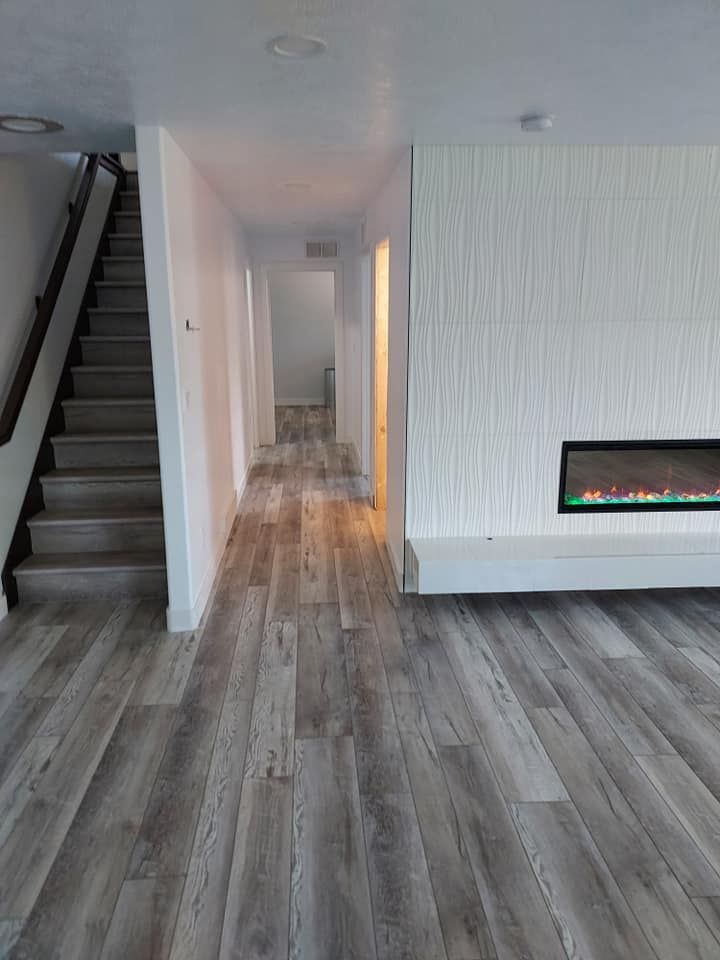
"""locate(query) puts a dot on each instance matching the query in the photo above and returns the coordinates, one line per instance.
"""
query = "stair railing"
(15, 396)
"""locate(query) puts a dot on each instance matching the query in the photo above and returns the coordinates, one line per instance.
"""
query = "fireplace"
(640, 475)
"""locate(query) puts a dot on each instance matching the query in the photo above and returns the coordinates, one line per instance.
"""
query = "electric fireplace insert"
(637, 475)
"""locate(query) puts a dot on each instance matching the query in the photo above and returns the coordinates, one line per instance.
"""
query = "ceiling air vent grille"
(321, 249)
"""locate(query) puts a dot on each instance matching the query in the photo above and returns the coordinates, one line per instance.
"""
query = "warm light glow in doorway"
(382, 309)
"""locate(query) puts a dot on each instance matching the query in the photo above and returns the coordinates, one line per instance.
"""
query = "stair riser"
(71, 586)
(130, 203)
(119, 325)
(135, 297)
(127, 223)
(117, 354)
(126, 246)
(101, 419)
(131, 180)
(96, 538)
(123, 270)
(135, 453)
(89, 384)
(87, 496)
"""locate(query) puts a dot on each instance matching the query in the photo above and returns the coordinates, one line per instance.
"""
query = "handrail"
(46, 305)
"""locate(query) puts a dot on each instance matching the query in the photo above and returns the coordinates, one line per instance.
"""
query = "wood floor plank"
(637, 731)
(322, 707)
(263, 555)
(86, 877)
(690, 800)
(256, 922)
(272, 504)
(598, 630)
(330, 913)
(355, 610)
(372, 564)
(517, 914)
(318, 583)
(33, 644)
(19, 723)
(142, 924)
(665, 913)
(544, 653)
(709, 910)
(167, 669)
(691, 734)
(404, 908)
(665, 655)
(704, 662)
(591, 913)
(79, 686)
(283, 596)
(271, 744)
(28, 853)
(22, 781)
(460, 910)
(529, 683)
(519, 760)
(200, 917)
(685, 858)
(243, 670)
(9, 933)
(398, 666)
(444, 703)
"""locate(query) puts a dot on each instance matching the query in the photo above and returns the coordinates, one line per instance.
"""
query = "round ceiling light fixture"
(537, 122)
(17, 123)
(296, 46)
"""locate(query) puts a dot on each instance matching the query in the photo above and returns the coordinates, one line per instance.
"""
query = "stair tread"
(111, 368)
(115, 338)
(39, 563)
(117, 310)
(98, 515)
(109, 402)
(100, 474)
(110, 436)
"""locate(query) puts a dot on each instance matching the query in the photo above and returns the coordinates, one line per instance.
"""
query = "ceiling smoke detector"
(17, 123)
(296, 46)
(537, 123)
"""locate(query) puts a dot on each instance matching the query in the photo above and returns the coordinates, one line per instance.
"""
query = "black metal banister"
(46, 304)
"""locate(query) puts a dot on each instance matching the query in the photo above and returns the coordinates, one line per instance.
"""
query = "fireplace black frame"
(570, 445)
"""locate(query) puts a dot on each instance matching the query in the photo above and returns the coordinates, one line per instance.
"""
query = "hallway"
(326, 770)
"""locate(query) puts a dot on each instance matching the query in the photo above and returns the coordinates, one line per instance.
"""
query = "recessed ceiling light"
(296, 46)
(15, 123)
(537, 123)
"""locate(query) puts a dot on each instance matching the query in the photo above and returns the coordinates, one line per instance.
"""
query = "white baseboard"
(396, 568)
(181, 620)
(3, 606)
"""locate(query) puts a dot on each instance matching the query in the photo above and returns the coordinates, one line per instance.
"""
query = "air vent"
(321, 249)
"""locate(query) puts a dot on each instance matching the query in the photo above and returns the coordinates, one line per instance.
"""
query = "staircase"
(101, 532)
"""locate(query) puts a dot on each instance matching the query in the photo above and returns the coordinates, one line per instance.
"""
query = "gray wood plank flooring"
(329, 769)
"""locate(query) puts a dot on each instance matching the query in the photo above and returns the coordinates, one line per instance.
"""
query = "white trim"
(3, 606)
(180, 620)
(396, 568)
(263, 344)
(301, 402)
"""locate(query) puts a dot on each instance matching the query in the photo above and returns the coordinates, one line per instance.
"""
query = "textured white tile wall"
(557, 293)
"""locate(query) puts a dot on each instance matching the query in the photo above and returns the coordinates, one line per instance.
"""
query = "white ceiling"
(395, 72)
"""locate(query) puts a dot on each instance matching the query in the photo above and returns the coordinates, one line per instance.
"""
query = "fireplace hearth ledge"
(581, 562)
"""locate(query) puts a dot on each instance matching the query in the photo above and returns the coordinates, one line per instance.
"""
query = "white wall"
(389, 216)
(196, 260)
(288, 247)
(34, 193)
(17, 458)
(302, 306)
(558, 293)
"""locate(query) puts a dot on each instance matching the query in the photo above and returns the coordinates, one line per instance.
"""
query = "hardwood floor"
(328, 770)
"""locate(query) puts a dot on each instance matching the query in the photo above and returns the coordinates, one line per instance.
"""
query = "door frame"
(263, 344)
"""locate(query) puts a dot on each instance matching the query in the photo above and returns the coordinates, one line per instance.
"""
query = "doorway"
(380, 385)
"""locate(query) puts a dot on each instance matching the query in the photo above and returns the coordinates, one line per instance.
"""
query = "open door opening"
(382, 308)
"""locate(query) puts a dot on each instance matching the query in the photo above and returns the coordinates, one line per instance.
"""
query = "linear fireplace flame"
(640, 475)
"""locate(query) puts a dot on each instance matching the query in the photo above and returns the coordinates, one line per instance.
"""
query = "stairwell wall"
(196, 260)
